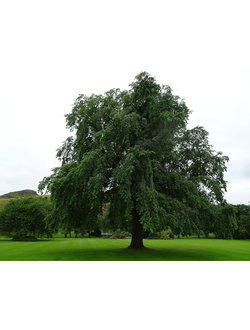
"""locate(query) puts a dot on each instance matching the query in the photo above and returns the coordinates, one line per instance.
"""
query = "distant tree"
(132, 149)
(225, 223)
(243, 221)
(23, 218)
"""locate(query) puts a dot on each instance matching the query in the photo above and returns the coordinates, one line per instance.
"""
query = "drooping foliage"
(132, 150)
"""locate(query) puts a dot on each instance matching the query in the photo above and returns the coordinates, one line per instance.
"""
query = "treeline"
(225, 221)
(31, 217)
(243, 222)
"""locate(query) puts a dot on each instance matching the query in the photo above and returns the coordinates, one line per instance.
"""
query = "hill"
(20, 193)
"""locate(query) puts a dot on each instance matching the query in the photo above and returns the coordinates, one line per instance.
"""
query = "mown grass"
(99, 249)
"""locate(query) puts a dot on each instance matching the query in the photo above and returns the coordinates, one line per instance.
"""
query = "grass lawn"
(99, 249)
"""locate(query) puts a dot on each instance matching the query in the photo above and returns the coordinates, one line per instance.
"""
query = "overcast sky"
(33, 104)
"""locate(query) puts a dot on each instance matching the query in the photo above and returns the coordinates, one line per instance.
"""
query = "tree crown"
(132, 149)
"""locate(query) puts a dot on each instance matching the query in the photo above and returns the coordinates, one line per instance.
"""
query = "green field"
(99, 249)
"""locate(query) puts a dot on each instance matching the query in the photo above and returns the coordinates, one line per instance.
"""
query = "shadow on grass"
(125, 254)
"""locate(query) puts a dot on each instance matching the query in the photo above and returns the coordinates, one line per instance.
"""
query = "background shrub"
(121, 234)
(23, 218)
(162, 234)
(153, 235)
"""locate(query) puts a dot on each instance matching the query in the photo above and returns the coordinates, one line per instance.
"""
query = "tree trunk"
(65, 236)
(137, 240)
(198, 236)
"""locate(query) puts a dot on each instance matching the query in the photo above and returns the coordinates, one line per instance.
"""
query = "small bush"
(163, 234)
(153, 235)
(121, 234)
(118, 236)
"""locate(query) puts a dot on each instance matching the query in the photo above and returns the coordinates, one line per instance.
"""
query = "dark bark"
(65, 236)
(137, 233)
(206, 233)
(198, 236)
(178, 235)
